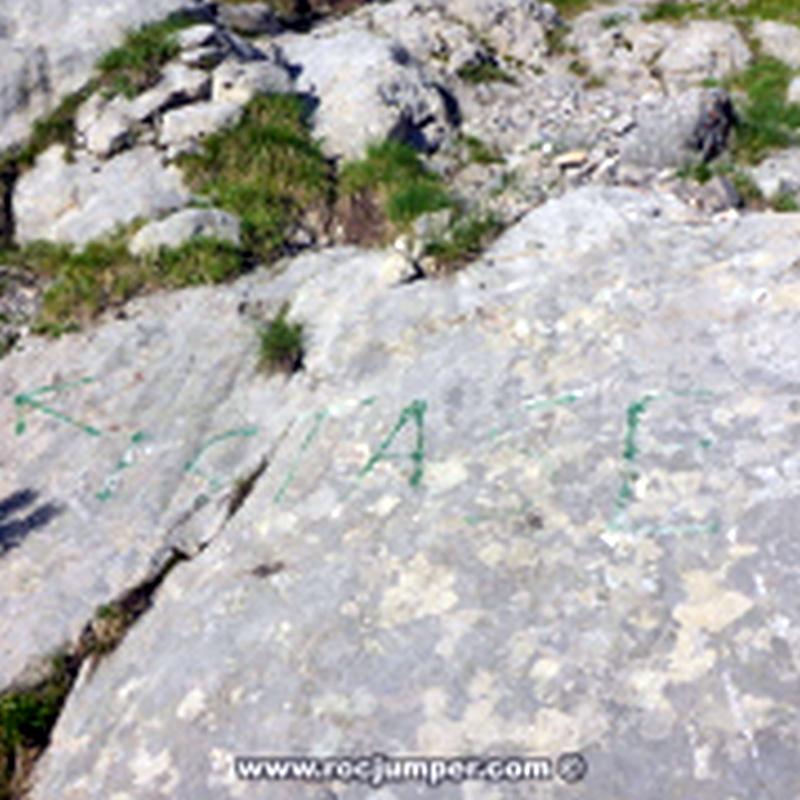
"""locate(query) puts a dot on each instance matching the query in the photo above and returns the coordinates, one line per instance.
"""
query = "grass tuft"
(26, 718)
(464, 242)
(267, 170)
(83, 283)
(670, 11)
(394, 171)
(281, 344)
(136, 64)
(766, 121)
(485, 71)
(479, 152)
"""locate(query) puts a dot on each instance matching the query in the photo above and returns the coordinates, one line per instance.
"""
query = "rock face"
(85, 200)
(365, 99)
(691, 126)
(180, 227)
(546, 506)
(48, 49)
(780, 41)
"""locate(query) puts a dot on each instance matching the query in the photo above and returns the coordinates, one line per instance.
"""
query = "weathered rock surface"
(252, 19)
(691, 126)
(85, 200)
(548, 505)
(235, 82)
(180, 227)
(49, 48)
(367, 98)
(779, 41)
(182, 129)
(779, 174)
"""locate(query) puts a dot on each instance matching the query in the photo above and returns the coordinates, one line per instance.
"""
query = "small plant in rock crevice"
(484, 71)
(393, 178)
(281, 344)
(466, 239)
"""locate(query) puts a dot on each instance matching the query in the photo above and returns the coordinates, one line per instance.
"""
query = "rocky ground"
(482, 443)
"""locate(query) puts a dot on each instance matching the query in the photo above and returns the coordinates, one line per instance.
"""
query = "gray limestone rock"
(252, 19)
(702, 50)
(793, 93)
(183, 128)
(779, 40)
(779, 173)
(367, 88)
(53, 48)
(236, 82)
(180, 227)
(669, 131)
(105, 126)
(515, 29)
(80, 201)
(548, 505)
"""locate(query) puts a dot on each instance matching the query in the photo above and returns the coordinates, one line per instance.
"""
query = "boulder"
(237, 82)
(779, 40)
(702, 50)
(779, 174)
(77, 202)
(182, 226)
(670, 131)
(103, 127)
(529, 510)
(182, 129)
(366, 88)
(793, 93)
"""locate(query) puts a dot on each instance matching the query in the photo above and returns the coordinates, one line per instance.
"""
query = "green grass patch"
(281, 344)
(267, 169)
(136, 64)
(767, 121)
(571, 8)
(465, 241)
(745, 186)
(396, 174)
(556, 41)
(784, 202)
(676, 11)
(486, 71)
(83, 283)
(614, 20)
(778, 10)
(670, 11)
(26, 718)
(479, 152)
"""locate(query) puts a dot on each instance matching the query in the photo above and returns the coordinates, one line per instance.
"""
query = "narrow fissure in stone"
(29, 712)
(9, 173)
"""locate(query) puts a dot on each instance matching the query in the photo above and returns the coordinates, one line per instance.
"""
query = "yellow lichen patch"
(442, 476)
(423, 589)
(786, 298)
(710, 607)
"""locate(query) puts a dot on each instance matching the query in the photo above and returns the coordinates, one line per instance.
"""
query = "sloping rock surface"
(548, 505)
(48, 49)
(85, 200)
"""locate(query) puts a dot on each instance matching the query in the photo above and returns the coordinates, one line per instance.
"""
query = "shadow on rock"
(18, 517)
